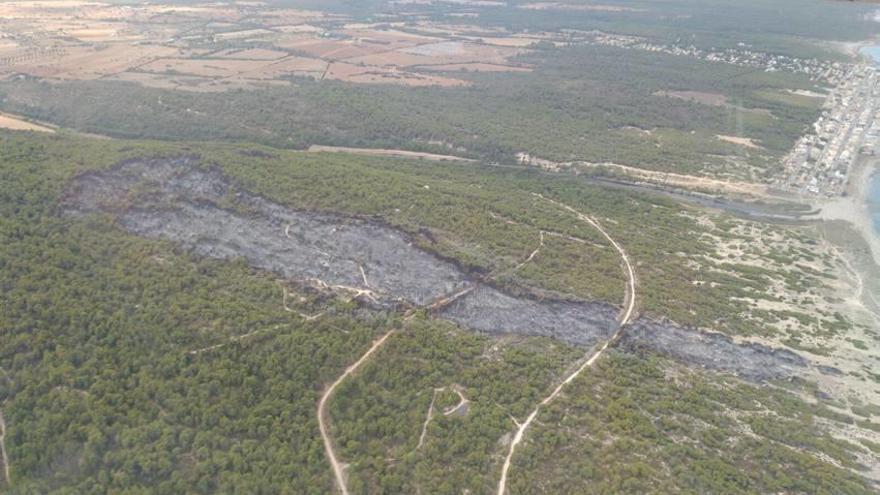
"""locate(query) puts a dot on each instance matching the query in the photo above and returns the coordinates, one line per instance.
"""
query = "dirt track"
(462, 404)
(441, 302)
(179, 200)
(386, 152)
(338, 469)
(626, 315)
(3, 457)
(428, 418)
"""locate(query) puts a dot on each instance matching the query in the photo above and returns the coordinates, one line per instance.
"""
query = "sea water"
(872, 51)
(874, 200)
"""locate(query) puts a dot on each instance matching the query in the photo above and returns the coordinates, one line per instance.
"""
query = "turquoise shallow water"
(872, 51)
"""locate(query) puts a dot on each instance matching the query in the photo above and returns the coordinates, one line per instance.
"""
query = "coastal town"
(743, 55)
(820, 162)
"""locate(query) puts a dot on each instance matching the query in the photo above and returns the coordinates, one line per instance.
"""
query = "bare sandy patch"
(18, 124)
(246, 33)
(378, 75)
(86, 62)
(105, 32)
(473, 67)
(386, 152)
(668, 179)
(639, 130)
(447, 52)
(396, 59)
(331, 49)
(298, 66)
(391, 39)
(203, 67)
(853, 207)
(712, 99)
(252, 54)
(804, 92)
(446, 29)
(438, 49)
(747, 142)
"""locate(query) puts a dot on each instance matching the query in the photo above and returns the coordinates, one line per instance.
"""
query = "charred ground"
(119, 259)
(197, 207)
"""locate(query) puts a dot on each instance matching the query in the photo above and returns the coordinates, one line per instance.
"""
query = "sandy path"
(462, 402)
(3, 455)
(428, 418)
(338, 469)
(685, 181)
(629, 302)
(232, 339)
(356, 291)
(669, 179)
(298, 313)
(531, 255)
(630, 298)
(386, 152)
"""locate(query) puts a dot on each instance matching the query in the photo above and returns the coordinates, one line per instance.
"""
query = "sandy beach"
(853, 208)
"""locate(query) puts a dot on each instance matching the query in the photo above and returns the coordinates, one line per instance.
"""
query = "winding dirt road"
(3, 456)
(626, 315)
(338, 469)
(443, 301)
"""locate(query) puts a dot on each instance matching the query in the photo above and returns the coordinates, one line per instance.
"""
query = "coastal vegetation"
(643, 109)
(124, 365)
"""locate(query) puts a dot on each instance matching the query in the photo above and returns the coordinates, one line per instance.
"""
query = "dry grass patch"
(86, 62)
(17, 124)
(742, 141)
(473, 67)
(203, 67)
(252, 54)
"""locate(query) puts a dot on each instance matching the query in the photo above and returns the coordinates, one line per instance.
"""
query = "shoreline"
(853, 208)
(854, 48)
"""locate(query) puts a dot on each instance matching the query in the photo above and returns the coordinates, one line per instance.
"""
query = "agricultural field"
(493, 88)
(215, 43)
(439, 247)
